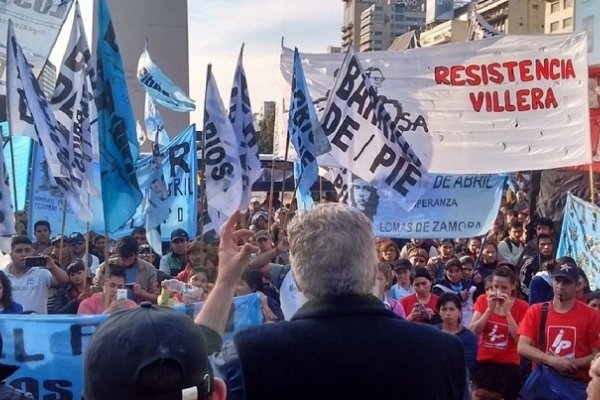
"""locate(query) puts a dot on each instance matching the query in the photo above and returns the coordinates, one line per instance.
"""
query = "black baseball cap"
(401, 264)
(130, 340)
(566, 267)
(76, 237)
(179, 233)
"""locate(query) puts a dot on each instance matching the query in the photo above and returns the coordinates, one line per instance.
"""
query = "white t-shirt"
(31, 289)
(290, 296)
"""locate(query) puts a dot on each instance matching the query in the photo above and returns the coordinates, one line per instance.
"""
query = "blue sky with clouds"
(217, 28)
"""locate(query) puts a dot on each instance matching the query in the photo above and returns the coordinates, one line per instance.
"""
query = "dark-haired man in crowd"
(42, 232)
(140, 275)
(30, 284)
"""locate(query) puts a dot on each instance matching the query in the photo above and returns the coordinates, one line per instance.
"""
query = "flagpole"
(202, 172)
(62, 233)
(320, 188)
(592, 185)
(87, 253)
(106, 246)
(12, 158)
(285, 161)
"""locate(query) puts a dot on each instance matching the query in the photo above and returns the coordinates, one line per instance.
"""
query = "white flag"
(23, 89)
(240, 115)
(222, 160)
(7, 217)
(75, 109)
(160, 87)
(365, 139)
(155, 126)
(478, 28)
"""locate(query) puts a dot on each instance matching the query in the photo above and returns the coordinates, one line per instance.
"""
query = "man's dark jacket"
(347, 347)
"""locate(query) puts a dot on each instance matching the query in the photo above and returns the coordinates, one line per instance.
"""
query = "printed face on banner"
(456, 206)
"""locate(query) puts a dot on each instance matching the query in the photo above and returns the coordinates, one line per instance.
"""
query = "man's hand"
(233, 256)
(561, 364)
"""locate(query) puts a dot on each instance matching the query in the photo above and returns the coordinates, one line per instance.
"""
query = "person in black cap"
(77, 246)
(173, 262)
(572, 328)
(7, 392)
(159, 352)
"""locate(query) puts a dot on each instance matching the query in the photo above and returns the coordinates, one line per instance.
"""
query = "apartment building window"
(554, 26)
(567, 22)
(567, 3)
(555, 7)
(377, 33)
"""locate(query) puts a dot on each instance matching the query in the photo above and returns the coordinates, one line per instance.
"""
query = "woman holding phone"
(496, 319)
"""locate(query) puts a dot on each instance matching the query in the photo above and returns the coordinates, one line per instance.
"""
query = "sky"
(217, 29)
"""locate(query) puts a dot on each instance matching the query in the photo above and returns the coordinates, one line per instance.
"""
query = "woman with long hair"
(8, 306)
(496, 319)
(449, 307)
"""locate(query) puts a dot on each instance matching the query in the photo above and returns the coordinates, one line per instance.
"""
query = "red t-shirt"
(570, 335)
(408, 303)
(495, 341)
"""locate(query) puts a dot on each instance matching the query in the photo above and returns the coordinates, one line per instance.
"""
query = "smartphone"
(129, 286)
(421, 309)
(121, 294)
(35, 262)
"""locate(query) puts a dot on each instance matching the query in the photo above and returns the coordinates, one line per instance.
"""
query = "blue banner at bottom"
(50, 349)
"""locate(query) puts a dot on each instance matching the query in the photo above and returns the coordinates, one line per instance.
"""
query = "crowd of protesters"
(486, 291)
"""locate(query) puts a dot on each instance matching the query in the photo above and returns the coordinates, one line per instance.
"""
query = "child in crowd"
(453, 282)
(196, 289)
(383, 279)
(487, 384)
(593, 299)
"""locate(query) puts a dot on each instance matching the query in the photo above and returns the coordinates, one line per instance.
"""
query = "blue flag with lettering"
(580, 237)
(306, 135)
(119, 148)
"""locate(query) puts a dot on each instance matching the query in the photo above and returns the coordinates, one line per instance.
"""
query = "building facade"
(381, 23)
(559, 16)
(165, 25)
(373, 24)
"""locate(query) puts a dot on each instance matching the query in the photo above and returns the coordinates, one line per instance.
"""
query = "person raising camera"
(31, 277)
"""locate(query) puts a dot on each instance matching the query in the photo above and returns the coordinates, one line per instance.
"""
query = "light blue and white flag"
(119, 149)
(222, 159)
(306, 136)
(240, 115)
(179, 168)
(580, 237)
(74, 106)
(7, 216)
(155, 126)
(157, 201)
(160, 87)
(23, 90)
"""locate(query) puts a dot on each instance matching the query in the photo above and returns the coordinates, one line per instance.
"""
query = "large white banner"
(37, 24)
(503, 104)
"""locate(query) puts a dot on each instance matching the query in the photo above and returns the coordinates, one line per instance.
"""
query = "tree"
(267, 129)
